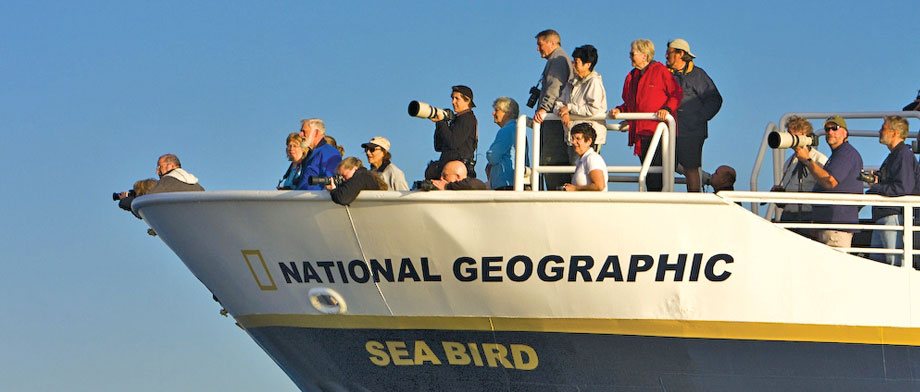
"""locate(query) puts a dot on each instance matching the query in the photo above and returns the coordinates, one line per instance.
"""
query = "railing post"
(908, 259)
(535, 170)
(520, 148)
(669, 163)
(758, 162)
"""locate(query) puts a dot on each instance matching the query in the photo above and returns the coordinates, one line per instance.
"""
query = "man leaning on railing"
(896, 177)
(839, 175)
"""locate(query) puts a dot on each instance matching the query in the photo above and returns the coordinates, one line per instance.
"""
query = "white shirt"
(587, 163)
(791, 183)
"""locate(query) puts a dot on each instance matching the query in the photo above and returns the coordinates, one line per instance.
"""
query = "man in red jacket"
(649, 87)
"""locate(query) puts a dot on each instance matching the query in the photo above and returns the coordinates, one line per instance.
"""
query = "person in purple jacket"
(896, 177)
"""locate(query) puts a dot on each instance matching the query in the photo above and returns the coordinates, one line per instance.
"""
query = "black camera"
(424, 185)
(116, 196)
(319, 180)
(534, 96)
(868, 176)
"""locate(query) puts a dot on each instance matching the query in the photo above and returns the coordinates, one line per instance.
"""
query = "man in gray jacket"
(173, 178)
(556, 74)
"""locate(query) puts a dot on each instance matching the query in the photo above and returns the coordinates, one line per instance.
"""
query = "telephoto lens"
(423, 110)
(788, 140)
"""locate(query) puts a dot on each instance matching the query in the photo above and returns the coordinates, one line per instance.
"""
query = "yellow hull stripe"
(662, 328)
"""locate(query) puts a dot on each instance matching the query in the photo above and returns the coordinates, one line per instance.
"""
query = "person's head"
(800, 126)
(894, 131)
(454, 171)
(584, 58)
(678, 53)
(377, 151)
(583, 136)
(167, 163)
(143, 187)
(504, 109)
(331, 141)
(294, 150)
(547, 42)
(348, 166)
(461, 98)
(641, 52)
(835, 128)
(312, 130)
(723, 178)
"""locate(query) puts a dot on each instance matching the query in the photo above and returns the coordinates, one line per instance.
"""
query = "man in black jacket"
(700, 104)
(355, 178)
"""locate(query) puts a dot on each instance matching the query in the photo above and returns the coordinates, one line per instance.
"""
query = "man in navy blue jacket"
(896, 177)
(700, 103)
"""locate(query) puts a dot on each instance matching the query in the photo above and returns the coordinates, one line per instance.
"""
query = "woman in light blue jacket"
(500, 169)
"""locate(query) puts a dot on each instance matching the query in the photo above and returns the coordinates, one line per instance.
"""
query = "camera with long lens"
(534, 96)
(423, 110)
(424, 185)
(323, 181)
(868, 176)
(116, 196)
(788, 140)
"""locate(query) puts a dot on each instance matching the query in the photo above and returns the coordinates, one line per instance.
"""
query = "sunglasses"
(371, 149)
(831, 128)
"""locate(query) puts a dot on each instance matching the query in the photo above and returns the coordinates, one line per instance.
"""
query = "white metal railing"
(663, 137)
(905, 203)
(778, 157)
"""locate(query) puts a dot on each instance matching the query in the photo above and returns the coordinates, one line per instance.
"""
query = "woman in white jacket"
(584, 96)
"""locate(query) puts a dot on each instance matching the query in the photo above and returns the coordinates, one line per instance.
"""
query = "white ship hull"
(543, 291)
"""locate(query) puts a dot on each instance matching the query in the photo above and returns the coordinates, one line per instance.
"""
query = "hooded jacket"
(177, 180)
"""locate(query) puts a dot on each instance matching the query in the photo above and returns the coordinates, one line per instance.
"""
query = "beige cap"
(680, 43)
(379, 141)
(836, 119)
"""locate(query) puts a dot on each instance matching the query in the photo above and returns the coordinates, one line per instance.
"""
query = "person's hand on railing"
(564, 115)
(661, 114)
(614, 113)
(538, 116)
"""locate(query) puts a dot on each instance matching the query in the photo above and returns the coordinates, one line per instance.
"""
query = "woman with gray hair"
(500, 170)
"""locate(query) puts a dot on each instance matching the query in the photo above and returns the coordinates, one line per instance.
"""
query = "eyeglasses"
(831, 128)
(371, 149)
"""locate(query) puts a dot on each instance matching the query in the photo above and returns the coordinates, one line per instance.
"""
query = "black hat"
(466, 91)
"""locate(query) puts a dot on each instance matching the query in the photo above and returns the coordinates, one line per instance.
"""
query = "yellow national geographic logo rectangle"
(259, 269)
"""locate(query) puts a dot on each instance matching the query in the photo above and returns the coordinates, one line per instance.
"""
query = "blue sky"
(92, 92)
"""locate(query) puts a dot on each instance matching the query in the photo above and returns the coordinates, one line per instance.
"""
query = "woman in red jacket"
(649, 87)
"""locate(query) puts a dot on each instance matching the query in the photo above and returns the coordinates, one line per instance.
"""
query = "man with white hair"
(322, 158)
